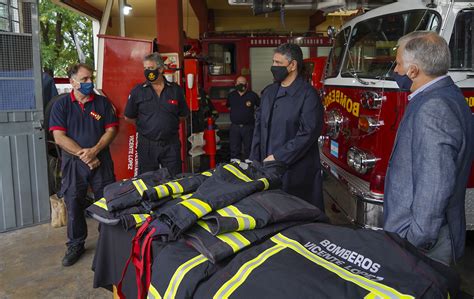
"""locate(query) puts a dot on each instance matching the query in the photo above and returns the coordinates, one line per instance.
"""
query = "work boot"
(72, 255)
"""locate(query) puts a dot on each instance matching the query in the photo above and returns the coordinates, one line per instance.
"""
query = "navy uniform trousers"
(77, 177)
(153, 154)
(240, 135)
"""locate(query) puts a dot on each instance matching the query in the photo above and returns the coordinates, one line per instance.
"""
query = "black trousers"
(152, 154)
(77, 177)
(240, 135)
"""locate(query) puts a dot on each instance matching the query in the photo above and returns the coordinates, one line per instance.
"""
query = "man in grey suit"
(428, 171)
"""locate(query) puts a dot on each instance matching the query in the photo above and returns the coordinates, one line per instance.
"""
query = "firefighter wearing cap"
(242, 103)
(156, 107)
(83, 125)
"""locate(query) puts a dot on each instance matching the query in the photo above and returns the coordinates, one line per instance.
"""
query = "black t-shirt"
(242, 107)
(157, 116)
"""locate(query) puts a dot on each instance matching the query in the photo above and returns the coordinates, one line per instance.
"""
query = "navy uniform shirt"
(242, 107)
(83, 123)
(157, 117)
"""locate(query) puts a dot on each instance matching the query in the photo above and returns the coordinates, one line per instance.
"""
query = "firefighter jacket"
(227, 185)
(128, 193)
(323, 261)
(261, 209)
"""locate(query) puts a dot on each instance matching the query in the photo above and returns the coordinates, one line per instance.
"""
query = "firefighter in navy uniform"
(288, 125)
(156, 107)
(83, 125)
(242, 104)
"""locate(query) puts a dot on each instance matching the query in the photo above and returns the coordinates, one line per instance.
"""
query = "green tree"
(66, 38)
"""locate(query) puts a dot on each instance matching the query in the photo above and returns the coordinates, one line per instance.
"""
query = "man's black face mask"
(241, 87)
(152, 75)
(279, 72)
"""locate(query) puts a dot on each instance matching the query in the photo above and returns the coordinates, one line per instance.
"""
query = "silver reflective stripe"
(180, 273)
(176, 187)
(245, 270)
(162, 191)
(369, 285)
(246, 220)
(197, 206)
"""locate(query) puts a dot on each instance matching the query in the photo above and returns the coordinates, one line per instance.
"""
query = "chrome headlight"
(334, 122)
(360, 160)
(371, 100)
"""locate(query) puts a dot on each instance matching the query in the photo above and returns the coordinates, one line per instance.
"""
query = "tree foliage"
(66, 38)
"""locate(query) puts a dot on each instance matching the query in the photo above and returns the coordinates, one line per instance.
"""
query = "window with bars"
(9, 16)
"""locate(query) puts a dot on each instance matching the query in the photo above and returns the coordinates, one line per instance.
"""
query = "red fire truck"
(364, 105)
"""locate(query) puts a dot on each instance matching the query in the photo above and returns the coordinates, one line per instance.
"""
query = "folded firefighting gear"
(323, 261)
(260, 209)
(177, 270)
(128, 193)
(177, 187)
(98, 211)
(217, 248)
(228, 184)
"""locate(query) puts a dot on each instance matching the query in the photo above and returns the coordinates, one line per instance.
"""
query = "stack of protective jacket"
(130, 202)
(234, 236)
(324, 261)
(180, 266)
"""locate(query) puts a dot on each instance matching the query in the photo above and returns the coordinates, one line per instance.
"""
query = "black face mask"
(241, 87)
(279, 73)
(152, 75)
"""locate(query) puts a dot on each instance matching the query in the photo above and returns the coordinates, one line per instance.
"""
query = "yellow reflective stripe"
(176, 187)
(265, 183)
(234, 239)
(376, 288)
(162, 191)
(139, 219)
(244, 221)
(235, 171)
(184, 197)
(245, 270)
(206, 173)
(372, 296)
(197, 206)
(249, 221)
(180, 273)
(101, 203)
(140, 185)
(153, 293)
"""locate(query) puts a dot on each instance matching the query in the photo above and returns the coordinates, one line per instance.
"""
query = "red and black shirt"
(83, 123)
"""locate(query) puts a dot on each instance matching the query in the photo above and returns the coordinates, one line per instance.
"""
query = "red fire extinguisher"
(210, 146)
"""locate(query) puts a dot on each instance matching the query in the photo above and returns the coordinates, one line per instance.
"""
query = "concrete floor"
(30, 264)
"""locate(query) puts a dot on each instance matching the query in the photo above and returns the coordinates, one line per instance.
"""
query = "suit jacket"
(429, 168)
(288, 126)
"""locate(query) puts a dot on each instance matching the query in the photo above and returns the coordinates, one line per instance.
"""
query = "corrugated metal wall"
(23, 181)
(24, 194)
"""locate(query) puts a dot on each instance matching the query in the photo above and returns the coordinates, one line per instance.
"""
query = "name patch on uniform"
(95, 115)
(173, 102)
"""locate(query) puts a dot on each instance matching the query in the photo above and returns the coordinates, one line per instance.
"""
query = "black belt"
(159, 142)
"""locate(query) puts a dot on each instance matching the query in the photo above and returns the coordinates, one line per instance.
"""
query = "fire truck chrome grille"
(357, 186)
